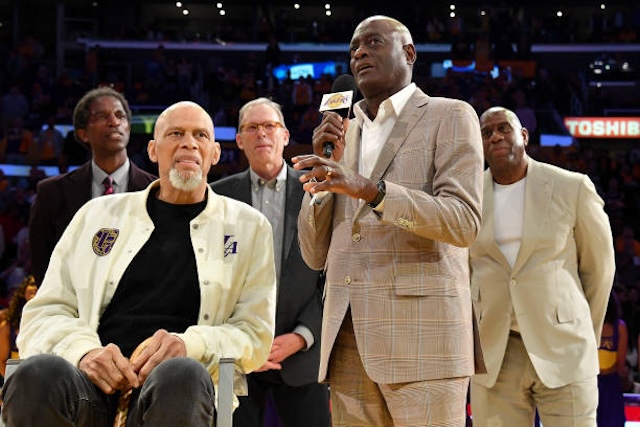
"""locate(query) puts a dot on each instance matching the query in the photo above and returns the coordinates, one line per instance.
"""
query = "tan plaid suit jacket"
(405, 273)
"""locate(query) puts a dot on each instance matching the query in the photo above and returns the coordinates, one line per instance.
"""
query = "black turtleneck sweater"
(159, 289)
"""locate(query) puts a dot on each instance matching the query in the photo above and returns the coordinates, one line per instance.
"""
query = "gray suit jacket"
(405, 273)
(559, 285)
(299, 300)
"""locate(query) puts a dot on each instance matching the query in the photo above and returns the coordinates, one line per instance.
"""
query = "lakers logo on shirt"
(103, 241)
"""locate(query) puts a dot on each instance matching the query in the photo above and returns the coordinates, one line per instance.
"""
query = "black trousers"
(300, 406)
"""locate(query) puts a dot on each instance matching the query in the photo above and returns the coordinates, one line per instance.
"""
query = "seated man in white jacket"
(175, 275)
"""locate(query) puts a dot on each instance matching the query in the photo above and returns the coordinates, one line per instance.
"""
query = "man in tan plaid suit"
(404, 204)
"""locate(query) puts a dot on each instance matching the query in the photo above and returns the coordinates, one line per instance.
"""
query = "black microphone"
(343, 91)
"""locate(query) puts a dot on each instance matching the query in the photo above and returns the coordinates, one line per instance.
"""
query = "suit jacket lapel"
(537, 200)
(137, 179)
(488, 224)
(351, 158)
(291, 209)
(81, 179)
(241, 188)
(408, 118)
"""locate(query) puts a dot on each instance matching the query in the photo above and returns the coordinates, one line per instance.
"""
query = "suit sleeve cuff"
(306, 334)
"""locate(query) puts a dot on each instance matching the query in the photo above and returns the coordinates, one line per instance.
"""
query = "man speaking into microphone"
(403, 204)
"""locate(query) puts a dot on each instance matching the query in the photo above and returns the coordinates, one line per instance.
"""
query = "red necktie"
(108, 185)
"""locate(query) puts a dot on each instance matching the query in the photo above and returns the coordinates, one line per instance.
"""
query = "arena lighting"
(178, 4)
(603, 127)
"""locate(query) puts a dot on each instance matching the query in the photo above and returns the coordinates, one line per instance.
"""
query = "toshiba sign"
(603, 127)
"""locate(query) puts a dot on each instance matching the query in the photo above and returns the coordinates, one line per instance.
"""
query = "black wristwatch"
(382, 191)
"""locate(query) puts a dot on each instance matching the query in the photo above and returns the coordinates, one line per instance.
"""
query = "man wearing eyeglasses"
(102, 123)
(290, 374)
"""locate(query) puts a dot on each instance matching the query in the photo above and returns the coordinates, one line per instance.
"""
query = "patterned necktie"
(108, 185)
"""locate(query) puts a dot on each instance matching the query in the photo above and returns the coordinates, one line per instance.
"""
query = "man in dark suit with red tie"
(102, 122)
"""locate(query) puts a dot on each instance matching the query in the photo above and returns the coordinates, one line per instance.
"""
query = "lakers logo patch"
(104, 240)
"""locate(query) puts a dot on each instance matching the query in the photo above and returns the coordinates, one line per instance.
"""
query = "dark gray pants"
(48, 391)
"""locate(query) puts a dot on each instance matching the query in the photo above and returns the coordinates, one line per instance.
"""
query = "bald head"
(393, 24)
(510, 115)
(180, 107)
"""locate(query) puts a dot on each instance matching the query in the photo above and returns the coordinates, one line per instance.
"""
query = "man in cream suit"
(542, 268)
(404, 203)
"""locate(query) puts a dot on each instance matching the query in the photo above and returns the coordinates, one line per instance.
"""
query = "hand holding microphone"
(339, 101)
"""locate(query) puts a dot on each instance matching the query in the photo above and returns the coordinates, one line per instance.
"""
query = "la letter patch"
(230, 245)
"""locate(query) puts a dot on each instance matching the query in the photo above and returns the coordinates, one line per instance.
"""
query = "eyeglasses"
(269, 127)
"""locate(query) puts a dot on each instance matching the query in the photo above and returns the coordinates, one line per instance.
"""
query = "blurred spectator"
(13, 105)
(614, 203)
(18, 141)
(302, 97)
(40, 103)
(525, 112)
(612, 358)
(184, 72)
(627, 249)
(272, 53)
(31, 49)
(10, 325)
(628, 383)
(19, 268)
(48, 147)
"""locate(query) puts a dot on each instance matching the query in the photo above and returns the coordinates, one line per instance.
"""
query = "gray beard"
(187, 181)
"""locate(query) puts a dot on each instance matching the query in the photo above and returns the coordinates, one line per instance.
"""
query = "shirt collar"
(256, 180)
(398, 100)
(119, 175)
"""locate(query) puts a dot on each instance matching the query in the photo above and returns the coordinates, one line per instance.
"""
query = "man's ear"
(525, 135)
(151, 151)
(239, 142)
(215, 156)
(410, 51)
(81, 135)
